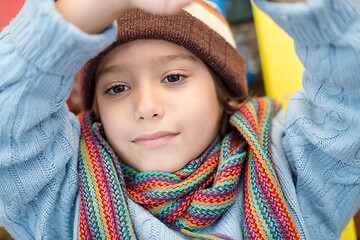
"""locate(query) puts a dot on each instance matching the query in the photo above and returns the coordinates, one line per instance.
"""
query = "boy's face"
(158, 104)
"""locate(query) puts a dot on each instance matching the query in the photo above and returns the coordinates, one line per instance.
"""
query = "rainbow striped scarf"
(193, 197)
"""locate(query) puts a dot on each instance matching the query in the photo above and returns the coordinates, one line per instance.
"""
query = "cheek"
(116, 131)
(108, 112)
(207, 100)
(200, 125)
(113, 121)
(204, 111)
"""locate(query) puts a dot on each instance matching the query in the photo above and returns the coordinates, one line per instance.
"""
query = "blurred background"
(265, 47)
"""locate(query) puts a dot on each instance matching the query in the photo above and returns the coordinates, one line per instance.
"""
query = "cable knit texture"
(316, 151)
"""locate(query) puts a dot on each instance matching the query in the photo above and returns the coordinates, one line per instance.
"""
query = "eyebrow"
(161, 59)
(183, 56)
(110, 69)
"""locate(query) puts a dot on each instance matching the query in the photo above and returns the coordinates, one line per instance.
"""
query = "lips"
(154, 140)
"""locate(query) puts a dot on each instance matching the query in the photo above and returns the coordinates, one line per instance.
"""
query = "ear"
(234, 103)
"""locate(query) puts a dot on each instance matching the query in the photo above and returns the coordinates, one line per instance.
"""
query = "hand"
(161, 7)
(94, 16)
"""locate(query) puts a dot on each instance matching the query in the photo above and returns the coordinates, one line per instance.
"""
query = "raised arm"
(323, 119)
(40, 54)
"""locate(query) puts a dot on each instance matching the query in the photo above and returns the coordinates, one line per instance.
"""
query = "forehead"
(142, 51)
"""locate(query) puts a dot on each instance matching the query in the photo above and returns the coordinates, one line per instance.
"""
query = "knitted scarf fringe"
(193, 197)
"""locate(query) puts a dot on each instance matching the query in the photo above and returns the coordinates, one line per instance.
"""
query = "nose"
(148, 105)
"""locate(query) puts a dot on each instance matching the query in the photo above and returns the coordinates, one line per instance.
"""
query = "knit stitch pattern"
(266, 213)
(196, 195)
(103, 208)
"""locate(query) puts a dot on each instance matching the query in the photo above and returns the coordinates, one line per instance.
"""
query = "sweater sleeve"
(323, 119)
(40, 53)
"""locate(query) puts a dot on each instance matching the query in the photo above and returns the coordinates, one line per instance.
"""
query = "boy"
(151, 147)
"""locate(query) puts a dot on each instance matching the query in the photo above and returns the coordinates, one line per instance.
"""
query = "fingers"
(173, 7)
(93, 16)
(160, 7)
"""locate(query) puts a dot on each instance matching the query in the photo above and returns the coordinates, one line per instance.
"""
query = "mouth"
(154, 140)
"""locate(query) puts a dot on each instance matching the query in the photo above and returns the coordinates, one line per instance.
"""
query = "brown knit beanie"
(200, 28)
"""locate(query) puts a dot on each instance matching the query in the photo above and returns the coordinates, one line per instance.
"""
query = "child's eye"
(174, 78)
(117, 89)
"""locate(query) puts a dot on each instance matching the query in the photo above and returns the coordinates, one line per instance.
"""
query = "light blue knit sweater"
(316, 149)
